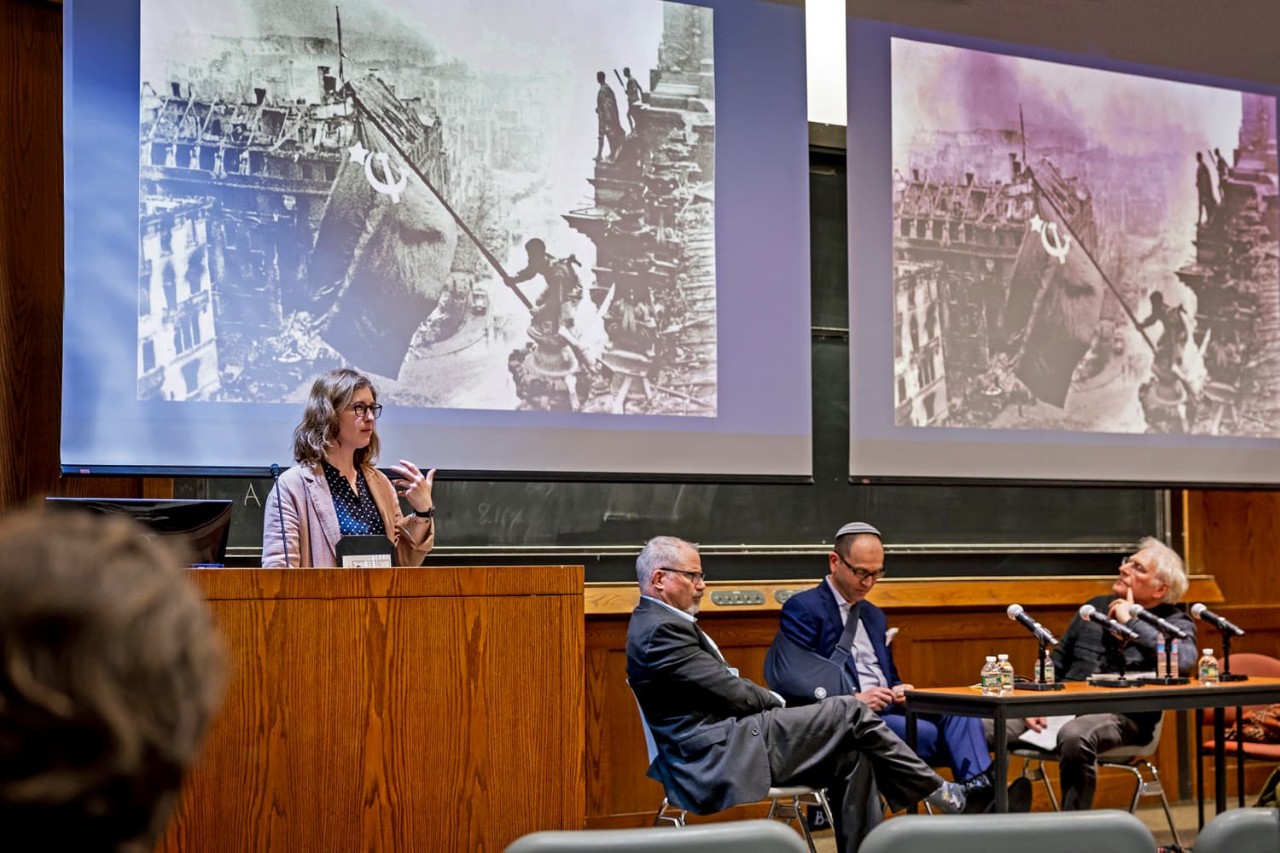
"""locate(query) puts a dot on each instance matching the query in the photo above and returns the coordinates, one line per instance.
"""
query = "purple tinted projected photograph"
(1081, 250)
(486, 204)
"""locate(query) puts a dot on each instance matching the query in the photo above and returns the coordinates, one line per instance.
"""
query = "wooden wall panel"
(1236, 537)
(30, 247)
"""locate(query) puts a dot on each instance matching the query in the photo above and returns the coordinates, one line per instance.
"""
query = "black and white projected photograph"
(486, 204)
(1081, 250)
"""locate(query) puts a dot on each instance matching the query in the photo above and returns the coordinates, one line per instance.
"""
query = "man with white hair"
(1154, 578)
(723, 740)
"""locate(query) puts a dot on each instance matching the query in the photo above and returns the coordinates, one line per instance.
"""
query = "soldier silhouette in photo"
(1173, 328)
(555, 307)
(1224, 170)
(609, 125)
(1164, 397)
(1204, 187)
(634, 92)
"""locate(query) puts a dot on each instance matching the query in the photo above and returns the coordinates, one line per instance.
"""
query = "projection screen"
(1061, 268)
(564, 236)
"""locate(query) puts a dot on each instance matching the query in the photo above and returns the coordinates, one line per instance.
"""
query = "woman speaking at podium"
(335, 490)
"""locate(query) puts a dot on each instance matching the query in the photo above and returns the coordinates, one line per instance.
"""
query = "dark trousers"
(1080, 742)
(956, 742)
(842, 745)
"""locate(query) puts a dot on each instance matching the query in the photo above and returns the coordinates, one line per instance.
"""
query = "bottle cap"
(1209, 652)
(991, 659)
(1004, 657)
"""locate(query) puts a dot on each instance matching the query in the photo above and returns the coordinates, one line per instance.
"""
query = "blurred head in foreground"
(110, 671)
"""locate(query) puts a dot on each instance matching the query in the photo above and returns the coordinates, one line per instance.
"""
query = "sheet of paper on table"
(1047, 740)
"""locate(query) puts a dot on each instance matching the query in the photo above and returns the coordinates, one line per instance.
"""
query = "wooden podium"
(391, 709)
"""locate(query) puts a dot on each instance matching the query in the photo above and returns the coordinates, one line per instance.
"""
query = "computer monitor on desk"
(204, 524)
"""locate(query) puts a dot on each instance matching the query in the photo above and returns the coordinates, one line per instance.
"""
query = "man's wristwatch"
(431, 513)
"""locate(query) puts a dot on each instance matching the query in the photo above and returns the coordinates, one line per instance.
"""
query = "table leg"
(1001, 760)
(1239, 757)
(1200, 766)
(911, 742)
(1219, 763)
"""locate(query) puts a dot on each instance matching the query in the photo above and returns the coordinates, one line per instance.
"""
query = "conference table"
(1078, 697)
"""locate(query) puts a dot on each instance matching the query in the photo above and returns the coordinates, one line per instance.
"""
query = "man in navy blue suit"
(819, 651)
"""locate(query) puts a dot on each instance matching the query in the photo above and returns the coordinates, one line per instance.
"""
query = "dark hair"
(330, 395)
(600, 76)
(110, 673)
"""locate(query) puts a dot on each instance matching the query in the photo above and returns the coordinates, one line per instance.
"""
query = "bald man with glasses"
(833, 642)
(723, 740)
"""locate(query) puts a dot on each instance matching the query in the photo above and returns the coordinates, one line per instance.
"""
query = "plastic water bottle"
(1175, 668)
(1162, 666)
(990, 677)
(1048, 669)
(1006, 675)
(1208, 669)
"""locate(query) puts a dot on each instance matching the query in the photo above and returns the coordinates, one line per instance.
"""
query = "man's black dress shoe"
(980, 794)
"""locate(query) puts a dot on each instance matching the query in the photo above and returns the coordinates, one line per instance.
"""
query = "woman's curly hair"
(330, 396)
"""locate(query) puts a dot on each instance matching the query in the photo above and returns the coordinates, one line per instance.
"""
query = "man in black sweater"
(1154, 578)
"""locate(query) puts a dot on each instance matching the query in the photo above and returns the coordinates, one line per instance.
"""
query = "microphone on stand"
(284, 537)
(1224, 625)
(1017, 614)
(1164, 626)
(1090, 614)
(1228, 630)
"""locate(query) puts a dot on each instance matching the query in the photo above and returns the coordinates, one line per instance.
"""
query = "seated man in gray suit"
(722, 740)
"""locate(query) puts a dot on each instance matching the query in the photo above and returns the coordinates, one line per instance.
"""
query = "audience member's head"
(110, 670)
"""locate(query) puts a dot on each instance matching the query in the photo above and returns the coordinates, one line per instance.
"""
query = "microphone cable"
(284, 536)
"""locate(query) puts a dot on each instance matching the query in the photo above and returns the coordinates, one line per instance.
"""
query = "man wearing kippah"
(832, 642)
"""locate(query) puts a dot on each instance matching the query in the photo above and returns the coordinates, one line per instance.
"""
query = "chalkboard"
(772, 530)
